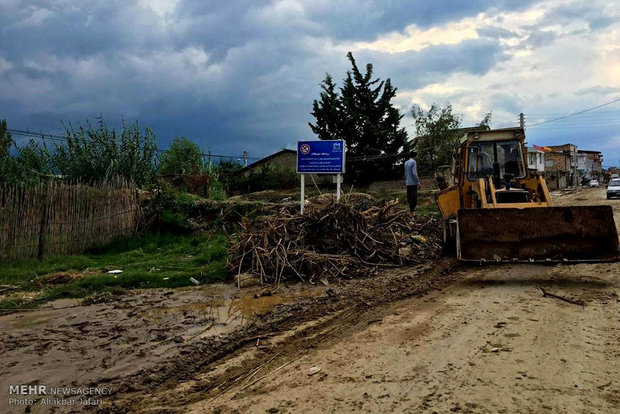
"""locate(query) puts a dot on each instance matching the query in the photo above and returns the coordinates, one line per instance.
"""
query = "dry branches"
(331, 241)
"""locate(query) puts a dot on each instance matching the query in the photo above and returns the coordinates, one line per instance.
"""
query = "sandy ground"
(437, 338)
(490, 343)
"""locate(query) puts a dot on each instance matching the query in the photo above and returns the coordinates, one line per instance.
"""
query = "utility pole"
(521, 121)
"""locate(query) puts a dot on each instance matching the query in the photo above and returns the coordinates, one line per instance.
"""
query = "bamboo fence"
(56, 218)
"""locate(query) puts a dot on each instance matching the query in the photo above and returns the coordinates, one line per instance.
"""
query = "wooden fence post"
(43, 223)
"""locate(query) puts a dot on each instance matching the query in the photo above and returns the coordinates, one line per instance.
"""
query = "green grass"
(147, 262)
(427, 205)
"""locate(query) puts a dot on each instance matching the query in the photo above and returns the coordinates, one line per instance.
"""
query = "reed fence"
(56, 218)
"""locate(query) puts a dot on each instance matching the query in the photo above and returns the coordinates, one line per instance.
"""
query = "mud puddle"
(65, 343)
(223, 309)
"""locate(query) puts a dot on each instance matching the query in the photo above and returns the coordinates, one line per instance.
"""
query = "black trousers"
(412, 196)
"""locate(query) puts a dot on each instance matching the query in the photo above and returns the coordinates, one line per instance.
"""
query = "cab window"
(507, 154)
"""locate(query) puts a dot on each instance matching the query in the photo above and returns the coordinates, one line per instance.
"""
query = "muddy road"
(489, 343)
(441, 337)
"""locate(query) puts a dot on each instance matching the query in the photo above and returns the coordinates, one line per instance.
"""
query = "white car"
(613, 188)
(593, 183)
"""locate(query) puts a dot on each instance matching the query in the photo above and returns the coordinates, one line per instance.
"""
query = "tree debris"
(331, 241)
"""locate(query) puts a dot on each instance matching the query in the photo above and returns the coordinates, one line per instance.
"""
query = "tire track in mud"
(206, 368)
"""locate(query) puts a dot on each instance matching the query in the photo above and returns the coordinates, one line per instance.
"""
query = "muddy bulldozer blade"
(545, 234)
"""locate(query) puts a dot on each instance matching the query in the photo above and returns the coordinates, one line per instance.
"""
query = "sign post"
(303, 192)
(338, 178)
(321, 157)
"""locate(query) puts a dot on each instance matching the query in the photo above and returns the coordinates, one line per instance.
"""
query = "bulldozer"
(497, 210)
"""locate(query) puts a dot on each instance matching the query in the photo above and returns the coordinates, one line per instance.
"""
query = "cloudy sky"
(242, 74)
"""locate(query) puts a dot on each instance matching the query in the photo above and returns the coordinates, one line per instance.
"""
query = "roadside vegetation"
(150, 261)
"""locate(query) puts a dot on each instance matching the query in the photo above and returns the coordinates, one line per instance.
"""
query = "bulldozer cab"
(506, 155)
(491, 170)
(498, 211)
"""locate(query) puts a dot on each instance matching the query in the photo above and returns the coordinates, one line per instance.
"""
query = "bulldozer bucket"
(544, 234)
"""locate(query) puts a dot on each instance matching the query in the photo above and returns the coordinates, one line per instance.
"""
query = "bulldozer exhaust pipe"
(546, 234)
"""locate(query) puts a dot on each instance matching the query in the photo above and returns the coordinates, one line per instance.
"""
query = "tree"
(361, 113)
(183, 157)
(438, 134)
(486, 121)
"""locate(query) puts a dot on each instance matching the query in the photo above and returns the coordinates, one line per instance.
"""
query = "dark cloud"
(233, 75)
(363, 20)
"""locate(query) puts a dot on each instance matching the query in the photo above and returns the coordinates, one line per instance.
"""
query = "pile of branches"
(332, 241)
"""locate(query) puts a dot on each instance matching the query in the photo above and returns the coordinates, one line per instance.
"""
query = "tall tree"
(327, 111)
(437, 135)
(361, 113)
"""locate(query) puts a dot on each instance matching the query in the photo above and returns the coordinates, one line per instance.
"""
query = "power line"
(36, 135)
(576, 113)
(41, 135)
(217, 155)
(608, 112)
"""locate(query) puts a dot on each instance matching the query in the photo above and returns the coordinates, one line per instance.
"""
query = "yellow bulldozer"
(499, 211)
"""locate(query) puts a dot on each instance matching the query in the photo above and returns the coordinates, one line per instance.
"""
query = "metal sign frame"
(321, 157)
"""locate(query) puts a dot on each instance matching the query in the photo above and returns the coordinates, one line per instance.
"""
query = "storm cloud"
(241, 75)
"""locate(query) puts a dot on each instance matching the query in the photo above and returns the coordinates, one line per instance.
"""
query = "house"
(536, 161)
(285, 159)
(561, 166)
(590, 164)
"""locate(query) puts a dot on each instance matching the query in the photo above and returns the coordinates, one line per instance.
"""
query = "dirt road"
(491, 343)
(588, 197)
(441, 337)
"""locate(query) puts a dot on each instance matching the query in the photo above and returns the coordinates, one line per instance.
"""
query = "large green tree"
(183, 157)
(361, 112)
(438, 131)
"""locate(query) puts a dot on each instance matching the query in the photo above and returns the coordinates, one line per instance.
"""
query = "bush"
(98, 154)
(183, 157)
(269, 177)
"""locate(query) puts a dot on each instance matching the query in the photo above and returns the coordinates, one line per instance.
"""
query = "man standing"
(412, 181)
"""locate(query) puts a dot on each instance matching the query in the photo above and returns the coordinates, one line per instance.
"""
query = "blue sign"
(323, 157)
